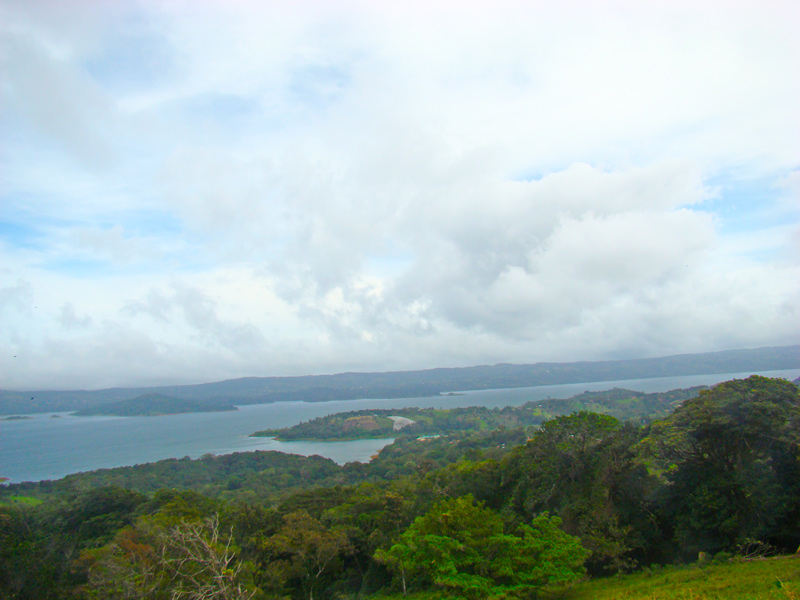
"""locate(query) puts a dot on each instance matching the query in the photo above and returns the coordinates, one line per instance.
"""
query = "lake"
(49, 446)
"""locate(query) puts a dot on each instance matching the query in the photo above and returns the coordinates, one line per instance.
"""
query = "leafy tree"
(304, 553)
(481, 478)
(461, 547)
(27, 570)
(40, 542)
(373, 517)
(96, 515)
(581, 468)
(127, 568)
(730, 457)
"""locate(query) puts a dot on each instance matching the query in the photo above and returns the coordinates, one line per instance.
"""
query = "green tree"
(40, 542)
(125, 569)
(461, 547)
(373, 517)
(581, 467)
(731, 461)
(304, 553)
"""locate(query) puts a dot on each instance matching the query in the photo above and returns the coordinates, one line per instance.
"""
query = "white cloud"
(56, 100)
(203, 190)
(18, 297)
(68, 319)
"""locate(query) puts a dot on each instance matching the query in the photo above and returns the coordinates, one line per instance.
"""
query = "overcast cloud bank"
(198, 191)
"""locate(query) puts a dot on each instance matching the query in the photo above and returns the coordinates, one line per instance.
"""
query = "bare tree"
(190, 560)
(202, 562)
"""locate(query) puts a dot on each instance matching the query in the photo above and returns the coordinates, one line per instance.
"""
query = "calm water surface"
(49, 447)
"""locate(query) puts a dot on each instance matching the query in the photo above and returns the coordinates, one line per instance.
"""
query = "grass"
(766, 579)
(21, 500)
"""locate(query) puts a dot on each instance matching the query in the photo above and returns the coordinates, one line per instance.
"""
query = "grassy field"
(766, 579)
(23, 500)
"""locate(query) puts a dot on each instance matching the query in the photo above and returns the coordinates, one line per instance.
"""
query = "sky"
(193, 191)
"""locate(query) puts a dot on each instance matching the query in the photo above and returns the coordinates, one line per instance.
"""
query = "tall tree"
(305, 553)
(462, 548)
(581, 468)
(730, 457)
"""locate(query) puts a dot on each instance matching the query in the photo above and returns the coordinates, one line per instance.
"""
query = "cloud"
(112, 244)
(209, 190)
(18, 297)
(70, 320)
(56, 101)
(199, 316)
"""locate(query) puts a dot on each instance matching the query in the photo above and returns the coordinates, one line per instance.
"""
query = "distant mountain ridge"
(152, 405)
(402, 384)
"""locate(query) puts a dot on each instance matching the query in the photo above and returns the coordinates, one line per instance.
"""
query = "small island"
(15, 418)
(152, 405)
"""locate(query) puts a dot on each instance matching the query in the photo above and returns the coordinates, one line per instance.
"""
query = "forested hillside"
(370, 423)
(500, 512)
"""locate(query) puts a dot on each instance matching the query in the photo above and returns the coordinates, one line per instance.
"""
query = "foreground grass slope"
(766, 579)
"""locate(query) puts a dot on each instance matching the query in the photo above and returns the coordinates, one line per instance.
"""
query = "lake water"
(49, 446)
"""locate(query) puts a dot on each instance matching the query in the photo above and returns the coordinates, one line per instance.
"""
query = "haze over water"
(45, 447)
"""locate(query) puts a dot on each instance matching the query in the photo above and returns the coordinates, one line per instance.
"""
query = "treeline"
(478, 515)
(242, 476)
(375, 423)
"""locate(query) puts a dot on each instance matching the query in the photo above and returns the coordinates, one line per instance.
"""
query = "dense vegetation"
(500, 513)
(152, 405)
(241, 476)
(371, 423)
(412, 384)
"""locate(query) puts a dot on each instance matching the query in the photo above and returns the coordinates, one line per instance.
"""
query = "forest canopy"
(489, 512)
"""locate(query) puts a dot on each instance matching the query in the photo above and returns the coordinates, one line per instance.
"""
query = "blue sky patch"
(318, 86)
(21, 235)
(745, 204)
(134, 57)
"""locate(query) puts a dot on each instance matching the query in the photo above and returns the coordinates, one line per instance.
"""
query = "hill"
(511, 513)
(383, 423)
(152, 405)
(413, 384)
